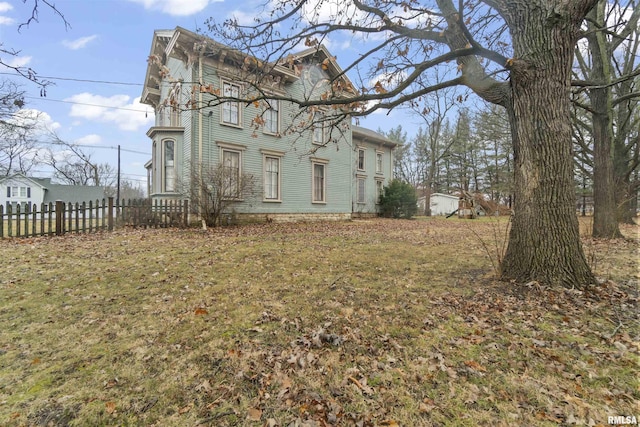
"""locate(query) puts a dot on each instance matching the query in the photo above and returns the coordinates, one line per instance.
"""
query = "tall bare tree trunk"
(605, 221)
(544, 243)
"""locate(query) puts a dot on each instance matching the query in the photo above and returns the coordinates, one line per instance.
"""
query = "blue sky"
(109, 41)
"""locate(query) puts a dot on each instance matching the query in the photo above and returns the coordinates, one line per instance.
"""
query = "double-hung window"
(318, 128)
(169, 166)
(231, 108)
(362, 183)
(319, 182)
(21, 192)
(272, 117)
(361, 157)
(379, 189)
(271, 178)
(378, 162)
(231, 174)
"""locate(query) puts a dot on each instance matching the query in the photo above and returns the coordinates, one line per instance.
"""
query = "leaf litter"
(366, 323)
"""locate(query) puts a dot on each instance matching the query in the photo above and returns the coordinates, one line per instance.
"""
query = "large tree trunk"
(544, 243)
(605, 221)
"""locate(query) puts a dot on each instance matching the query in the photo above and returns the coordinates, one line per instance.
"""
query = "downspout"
(200, 193)
(352, 171)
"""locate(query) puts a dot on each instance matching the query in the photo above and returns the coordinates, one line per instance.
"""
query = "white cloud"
(5, 20)
(18, 61)
(79, 43)
(118, 110)
(42, 122)
(91, 139)
(243, 18)
(388, 81)
(176, 7)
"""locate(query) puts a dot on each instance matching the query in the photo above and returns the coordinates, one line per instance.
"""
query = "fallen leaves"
(201, 311)
(110, 407)
(319, 332)
(254, 414)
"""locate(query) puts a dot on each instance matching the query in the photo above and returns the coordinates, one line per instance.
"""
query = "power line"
(87, 104)
(111, 147)
(80, 80)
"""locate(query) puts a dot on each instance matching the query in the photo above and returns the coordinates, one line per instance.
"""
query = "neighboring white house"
(441, 204)
(25, 191)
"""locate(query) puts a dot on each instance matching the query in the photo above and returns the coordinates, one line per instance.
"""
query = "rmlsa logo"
(622, 420)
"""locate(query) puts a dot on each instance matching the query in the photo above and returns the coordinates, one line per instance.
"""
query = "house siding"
(203, 132)
(370, 174)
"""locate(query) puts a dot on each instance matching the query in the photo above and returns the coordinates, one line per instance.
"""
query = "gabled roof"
(189, 47)
(66, 193)
(368, 135)
(35, 181)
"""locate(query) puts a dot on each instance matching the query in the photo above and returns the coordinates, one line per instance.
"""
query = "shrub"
(398, 200)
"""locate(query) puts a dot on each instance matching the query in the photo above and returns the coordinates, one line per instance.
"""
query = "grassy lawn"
(366, 323)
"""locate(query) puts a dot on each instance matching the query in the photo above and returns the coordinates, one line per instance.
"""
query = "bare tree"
(19, 132)
(74, 166)
(215, 189)
(513, 53)
(607, 70)
(7, 52)
(17, 142)
(128, 190)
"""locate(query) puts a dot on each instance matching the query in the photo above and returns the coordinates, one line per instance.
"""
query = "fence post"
(110, 214)
(185, 213)
(59, 217)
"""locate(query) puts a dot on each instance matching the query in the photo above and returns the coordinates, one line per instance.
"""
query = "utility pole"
(118, 188)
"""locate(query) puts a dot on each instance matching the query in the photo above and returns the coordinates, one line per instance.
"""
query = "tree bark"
(605, 221)
(544, 243)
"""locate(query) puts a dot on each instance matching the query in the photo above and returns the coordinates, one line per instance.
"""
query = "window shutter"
(28, 192)
(8, 191)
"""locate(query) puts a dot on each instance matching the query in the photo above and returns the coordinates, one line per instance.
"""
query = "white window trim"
(381, 169)
(364, 159)
(315, 126)
(316, 161)
(226, 147)
(364, 190)
(224, 82)
(278, 123)
(163, 166)
(269, 154)
(379, 181)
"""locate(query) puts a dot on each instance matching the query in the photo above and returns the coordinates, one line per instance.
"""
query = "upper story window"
(231, 109)
(318, 128)
(21, 192)
(169, 166)
(272, 117)
(378, 162)
(361, 159)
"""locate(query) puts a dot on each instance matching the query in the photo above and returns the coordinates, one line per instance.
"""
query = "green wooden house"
(301, 169)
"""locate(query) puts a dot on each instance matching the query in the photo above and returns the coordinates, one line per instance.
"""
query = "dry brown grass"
(371, 323)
